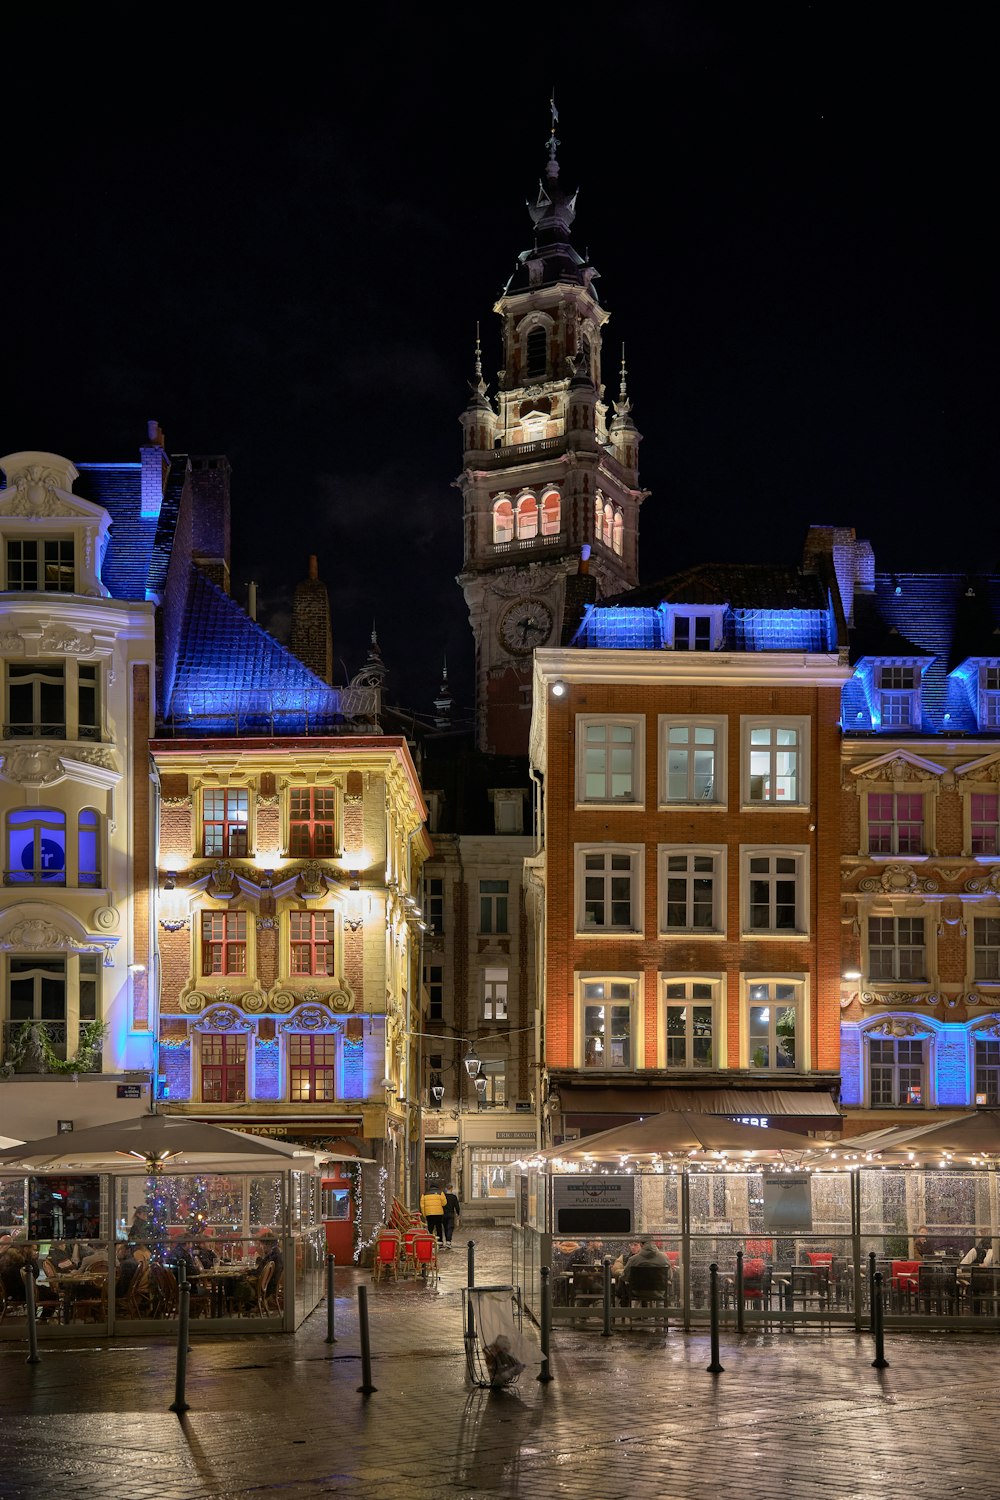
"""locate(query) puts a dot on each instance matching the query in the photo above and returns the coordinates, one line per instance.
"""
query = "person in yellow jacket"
(432, 1206)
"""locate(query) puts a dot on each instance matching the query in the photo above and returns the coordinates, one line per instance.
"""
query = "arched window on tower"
(598, 515)
(607, 531)
(551, 514)
(617, 532)
(503, 521)
(527, 517)
(535, 354)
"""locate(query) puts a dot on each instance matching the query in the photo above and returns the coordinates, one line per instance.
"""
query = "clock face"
(525, 624)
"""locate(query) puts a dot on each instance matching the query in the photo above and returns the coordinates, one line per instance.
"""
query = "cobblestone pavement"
(801, 1417)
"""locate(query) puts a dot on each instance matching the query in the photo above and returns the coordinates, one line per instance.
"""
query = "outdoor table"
(805, 1283)
(220, 1281)
(64, 1283)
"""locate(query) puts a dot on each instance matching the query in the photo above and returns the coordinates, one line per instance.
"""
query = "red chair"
(425, 1261)
(763, 1248)
(410, 1267)
(757, 1280)
(905, 1275)
(819, 1257)
(386, 1258)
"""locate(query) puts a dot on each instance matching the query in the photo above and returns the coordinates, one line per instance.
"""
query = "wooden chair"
(140, 1299)
(386, 1257)
(92, 1303)
(425, 1261)
(271, 1290)
(648, 1286)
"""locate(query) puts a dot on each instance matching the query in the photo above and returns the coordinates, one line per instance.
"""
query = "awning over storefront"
(589, 1109)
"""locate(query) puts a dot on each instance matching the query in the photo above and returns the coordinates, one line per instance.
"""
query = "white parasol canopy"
(962, 1138)
(681, 1134)
(150, 1141)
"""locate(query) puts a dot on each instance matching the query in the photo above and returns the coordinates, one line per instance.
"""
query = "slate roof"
(768, 607)
(233, 677)
(940, 620)
(138, 546)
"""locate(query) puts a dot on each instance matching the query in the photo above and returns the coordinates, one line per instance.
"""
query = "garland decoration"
(32, 1043)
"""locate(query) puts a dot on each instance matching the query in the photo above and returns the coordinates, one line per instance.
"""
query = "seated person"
(978, 1255)
(647, 1270)
(95, 1258)
(923, 1245)
(59, 1260)
(247, 1289)
(126, 1266)
(13, 1260)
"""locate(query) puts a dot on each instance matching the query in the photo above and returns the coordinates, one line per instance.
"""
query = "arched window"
(36, 846)
(535, 350)
(617, 532)
(598, 514)
(503, 521)
(609, 524)
(527, 517)
(88, 848)
(551, 514)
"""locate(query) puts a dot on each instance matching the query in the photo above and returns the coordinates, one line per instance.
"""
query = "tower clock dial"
(525, 624)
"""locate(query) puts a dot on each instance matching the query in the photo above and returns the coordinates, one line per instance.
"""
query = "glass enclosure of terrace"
(807, 1237)
(108, 1251)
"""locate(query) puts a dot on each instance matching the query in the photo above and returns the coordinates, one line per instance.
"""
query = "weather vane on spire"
(479, 356)
(553, 140)
(622, 396)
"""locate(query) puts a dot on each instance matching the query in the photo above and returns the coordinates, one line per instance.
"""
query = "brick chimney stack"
(312, 634)
(155, 468)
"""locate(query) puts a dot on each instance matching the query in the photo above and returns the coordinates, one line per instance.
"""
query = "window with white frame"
(897, 951)
(495, 994)
(692, 632)
(774, 890)
(36, 700)
(608, 882)
(692, 896)
(986, 949)
(692, 760)
(608, 1022)
(984, 822)
(987, 1070)
(899, 697)
(896, 1067)
(41, 566)
(775, 762)
(895, 822)
(989, 696)
(609, 763)
(689, 1013)
(435, 905)
(774, 1024)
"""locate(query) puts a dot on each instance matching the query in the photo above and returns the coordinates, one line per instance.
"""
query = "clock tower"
(544, 469)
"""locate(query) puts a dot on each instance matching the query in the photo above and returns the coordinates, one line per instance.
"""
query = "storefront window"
(493, 1172)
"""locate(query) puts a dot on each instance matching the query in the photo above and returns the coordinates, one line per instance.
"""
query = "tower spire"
(553, 142)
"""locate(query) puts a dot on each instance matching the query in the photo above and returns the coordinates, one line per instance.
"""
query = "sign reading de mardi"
(593, 1205)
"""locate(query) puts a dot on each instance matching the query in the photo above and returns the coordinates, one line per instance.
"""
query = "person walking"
(432, 1206)
(451, 1214)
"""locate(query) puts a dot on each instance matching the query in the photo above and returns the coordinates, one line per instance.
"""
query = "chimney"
(208, 479)
(252, 599)
(155, 468)
(312, 636)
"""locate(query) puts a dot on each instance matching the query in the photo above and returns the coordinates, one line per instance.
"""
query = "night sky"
(276, 234)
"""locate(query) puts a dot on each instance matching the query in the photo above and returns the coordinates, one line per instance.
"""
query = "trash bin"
(497, 1350)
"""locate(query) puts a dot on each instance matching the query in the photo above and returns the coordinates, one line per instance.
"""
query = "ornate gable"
(898, 765)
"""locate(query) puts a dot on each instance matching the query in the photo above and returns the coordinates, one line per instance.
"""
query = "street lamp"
(481, 1086)
(473, 1062)
(437, 1093)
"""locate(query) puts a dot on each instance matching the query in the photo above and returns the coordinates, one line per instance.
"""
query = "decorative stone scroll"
(899, 1027)
(222, 881)
(899, 997)
(310, 1018)
(222, 1018)
(35, 935)
(976, 997)
(899, 880)
(985, 885)
(990, 1029)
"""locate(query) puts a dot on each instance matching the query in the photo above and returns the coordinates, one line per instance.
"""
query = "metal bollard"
(366, 1387)
(879, 1362)
(471, 1330)
(179, 1403)
(28, 1278)
(331, 1262)
(715, 1368)
(606, 1330)
(740, 1303)
(871, 1290)
(545, 1374)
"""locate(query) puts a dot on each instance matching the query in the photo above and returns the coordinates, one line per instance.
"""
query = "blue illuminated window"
(899, 699)
(88, 852)
(989, 697)
(36, 847)
(897, 1072)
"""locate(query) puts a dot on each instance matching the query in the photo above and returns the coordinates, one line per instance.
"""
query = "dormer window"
(989, 696)
(36, 565)
(899, 697)
(692, 633)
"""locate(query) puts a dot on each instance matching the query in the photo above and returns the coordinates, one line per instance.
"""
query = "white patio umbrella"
(681, 1134)
(150, 1142)
(962, 1138)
